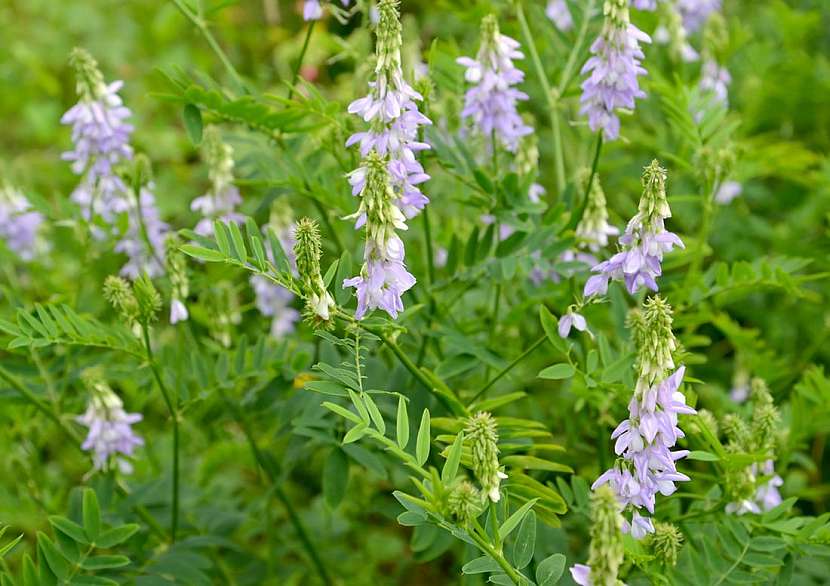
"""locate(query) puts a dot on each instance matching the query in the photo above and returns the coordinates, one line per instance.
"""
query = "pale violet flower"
(571, 320)
(178, 311)
(560, 14)
(650, 5)
(728, 191)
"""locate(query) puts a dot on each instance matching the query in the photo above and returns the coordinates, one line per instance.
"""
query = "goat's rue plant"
(510, 292)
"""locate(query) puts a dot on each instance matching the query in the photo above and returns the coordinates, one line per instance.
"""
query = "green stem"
(200, 24)
(508, 368)
(430, 253)
(171, 407)
(550, 98)
(487, 548)
(300, 60)
(281, 495)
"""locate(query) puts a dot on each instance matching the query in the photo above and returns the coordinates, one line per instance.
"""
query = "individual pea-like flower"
(613, 70)
(392, 110)
(101, 139)
(593, 229)
(111, 437)
(313, 9)
(560, 14)
(481, 432)
(384, 277)
(715, 80)
(728, 191)
(570, 320)
(19, 223)
(644, 243)
(491, 103)
(221, 200)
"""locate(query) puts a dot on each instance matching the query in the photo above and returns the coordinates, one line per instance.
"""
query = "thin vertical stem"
(171, 407)
(551, 99)
(300, 60)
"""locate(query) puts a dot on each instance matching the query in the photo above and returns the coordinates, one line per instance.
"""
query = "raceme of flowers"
(613, 70)
(644, 242)
(111, 437)
(19, 223)
(384, 277)
(101, 139)
(644, 440)
(491, 103)
(221, 200)
(392, 110)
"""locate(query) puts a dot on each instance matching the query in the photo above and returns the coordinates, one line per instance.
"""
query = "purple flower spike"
(613, 71)
(491, 102)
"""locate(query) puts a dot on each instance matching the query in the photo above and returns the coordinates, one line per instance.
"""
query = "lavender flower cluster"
(110, 437)
(392, 110)
(384, 277)
(101, 139)
(644, 242)
(387, 180)
(644, 441)
(19, 223)
(614, 68)
(491, 102)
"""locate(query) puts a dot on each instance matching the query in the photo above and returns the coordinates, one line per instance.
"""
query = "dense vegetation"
(419, 292)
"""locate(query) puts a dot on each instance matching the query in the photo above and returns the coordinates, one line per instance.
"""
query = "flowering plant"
(394, 292)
